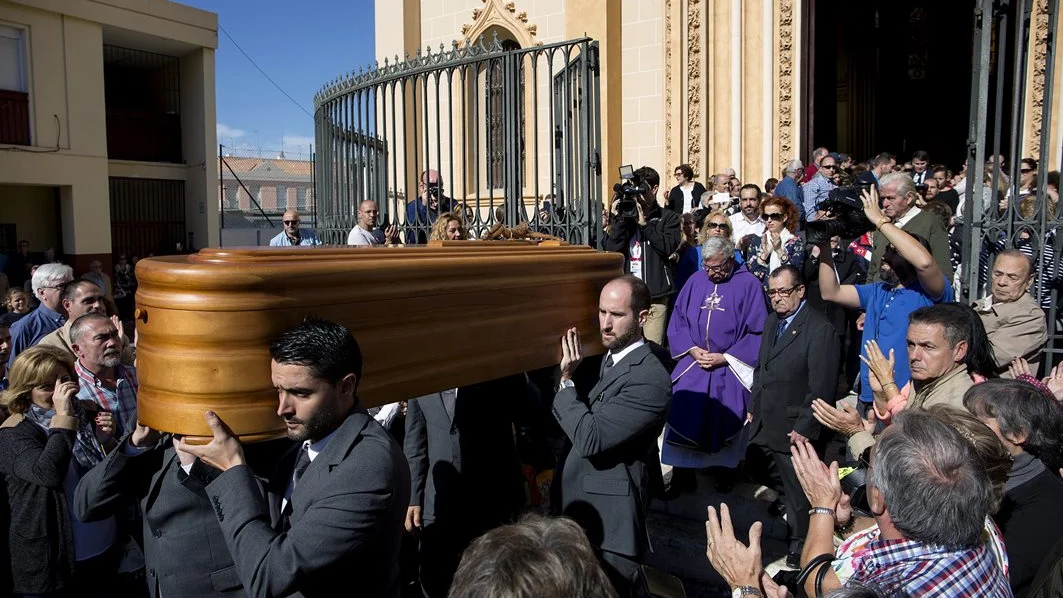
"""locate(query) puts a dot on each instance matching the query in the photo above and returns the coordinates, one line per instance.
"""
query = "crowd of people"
(737, 345)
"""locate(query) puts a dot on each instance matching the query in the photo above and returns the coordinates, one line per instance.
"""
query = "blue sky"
(301, 46)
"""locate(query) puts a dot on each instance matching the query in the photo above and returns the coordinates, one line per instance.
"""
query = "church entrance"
(889, 75)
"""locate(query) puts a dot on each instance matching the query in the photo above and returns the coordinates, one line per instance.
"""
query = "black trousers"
(624, 573)
(775, 470)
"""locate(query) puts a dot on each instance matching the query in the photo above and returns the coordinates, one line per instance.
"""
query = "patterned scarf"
(87, 449)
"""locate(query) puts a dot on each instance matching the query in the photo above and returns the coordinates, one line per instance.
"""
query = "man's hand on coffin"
(144, 437)
(222, 452)
(571, 356)
(184, 457)
(104, 427)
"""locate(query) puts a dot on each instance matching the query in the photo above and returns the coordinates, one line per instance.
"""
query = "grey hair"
(933, 485)
(901, 180)
(80, 324)
(51, 275)
(714, 246)
(794, 166)
(1013, 252)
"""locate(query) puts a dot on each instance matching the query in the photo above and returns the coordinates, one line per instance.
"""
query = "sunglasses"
(829, 166)
(1026, 170)
(715, 225)
(776, 216)
(291, 222)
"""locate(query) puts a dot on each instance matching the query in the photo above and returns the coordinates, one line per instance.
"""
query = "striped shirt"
(924, 570)
(120, 401)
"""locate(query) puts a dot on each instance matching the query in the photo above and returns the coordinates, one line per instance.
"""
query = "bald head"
(291, 222)
(367, 214)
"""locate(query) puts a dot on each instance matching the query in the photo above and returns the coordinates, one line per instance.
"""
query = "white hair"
(717, 246)
(51, 275)
(794, 166)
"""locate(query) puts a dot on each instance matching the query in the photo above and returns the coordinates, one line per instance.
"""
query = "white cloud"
(298, 143)
(227, 132)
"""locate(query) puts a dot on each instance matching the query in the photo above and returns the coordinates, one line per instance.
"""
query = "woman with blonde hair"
(42, 458)
(448, 227)
(17, 302)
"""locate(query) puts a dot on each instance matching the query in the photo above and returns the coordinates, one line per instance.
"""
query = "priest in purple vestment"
(714, 333)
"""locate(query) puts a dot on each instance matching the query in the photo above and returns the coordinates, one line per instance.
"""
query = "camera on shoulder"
(845, 216)
(627, 193)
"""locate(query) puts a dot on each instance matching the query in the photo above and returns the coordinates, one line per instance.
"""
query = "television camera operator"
(646, 234)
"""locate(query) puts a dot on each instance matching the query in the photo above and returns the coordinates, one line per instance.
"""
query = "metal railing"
(513, 133)
(1002, 212)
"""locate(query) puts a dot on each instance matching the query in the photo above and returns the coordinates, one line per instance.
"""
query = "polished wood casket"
(427, 318)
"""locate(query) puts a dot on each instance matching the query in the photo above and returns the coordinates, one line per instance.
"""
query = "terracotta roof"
(268, 166)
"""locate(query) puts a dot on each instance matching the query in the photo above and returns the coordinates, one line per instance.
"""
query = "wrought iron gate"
(1030, 221)
(513, 133)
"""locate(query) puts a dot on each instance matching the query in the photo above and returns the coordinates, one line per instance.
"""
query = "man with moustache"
(1014, 322)
(747, 221)
(341, 499)
(102, 378)
(79, 298)
(606, 478)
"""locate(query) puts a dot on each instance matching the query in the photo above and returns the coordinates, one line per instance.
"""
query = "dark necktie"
(780, 330)
(608, 363)
(302, 461)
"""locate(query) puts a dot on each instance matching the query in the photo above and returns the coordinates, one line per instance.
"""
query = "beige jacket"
(1016, 329)
(946, 390)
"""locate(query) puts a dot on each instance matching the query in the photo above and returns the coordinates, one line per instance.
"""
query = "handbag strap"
(816, 562)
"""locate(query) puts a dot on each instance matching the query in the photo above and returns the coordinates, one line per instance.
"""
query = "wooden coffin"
(426, 318)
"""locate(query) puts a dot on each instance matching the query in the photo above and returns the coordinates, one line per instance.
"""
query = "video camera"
(845, 216)
(626, 194)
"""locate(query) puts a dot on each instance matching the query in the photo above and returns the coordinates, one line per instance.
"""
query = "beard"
(315, 427)
(889, 277)
(621, 340)
(111, 358)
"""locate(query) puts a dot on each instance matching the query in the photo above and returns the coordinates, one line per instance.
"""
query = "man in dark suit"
(798, 363)
(605, 480)
(185, 555)
(464, 469)
(343, 502)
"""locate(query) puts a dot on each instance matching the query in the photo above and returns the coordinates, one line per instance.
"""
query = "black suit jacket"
(866, 178)
(347, 517)
(605, 480)
(178, 517)
(676, 199)
(464, 470)
(801, 366)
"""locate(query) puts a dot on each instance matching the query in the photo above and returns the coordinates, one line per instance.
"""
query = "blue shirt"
(789, 189)
(887, 323)
(306, 237)
(815, 192)
(31, 328)
(785, 323)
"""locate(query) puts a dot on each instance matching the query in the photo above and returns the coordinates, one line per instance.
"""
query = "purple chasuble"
(709, 407)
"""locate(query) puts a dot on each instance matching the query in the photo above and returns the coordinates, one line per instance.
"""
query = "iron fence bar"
(973, 209)
(1052, 271)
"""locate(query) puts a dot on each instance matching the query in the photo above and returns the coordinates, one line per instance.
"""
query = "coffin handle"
(141, 314)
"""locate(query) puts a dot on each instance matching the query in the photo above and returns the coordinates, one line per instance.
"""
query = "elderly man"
(798, 362)
(421, 213)
(79, 298)
(813, 167)
(747, 221)
(714, 333)
(48, 283)
(366, 232)
(292, 235)
(1014, 322)
(898, 195)
(929, 494)
(790, 186)
(819, 186)
(102, 378)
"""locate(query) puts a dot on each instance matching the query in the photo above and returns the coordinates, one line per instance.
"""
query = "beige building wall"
(64, 71)
(642, 95)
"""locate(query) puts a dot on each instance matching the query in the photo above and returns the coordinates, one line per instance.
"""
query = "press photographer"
(646, 234)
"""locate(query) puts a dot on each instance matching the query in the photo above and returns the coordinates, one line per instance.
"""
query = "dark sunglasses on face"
(776, 216)
(715, 225)
(1026, 170)
(829, 166)
(289, 222)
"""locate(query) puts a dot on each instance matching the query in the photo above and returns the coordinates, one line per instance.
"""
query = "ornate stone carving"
(1037, 80)
(694, 82)
(502, 14)
(668, 66)
(785, 82)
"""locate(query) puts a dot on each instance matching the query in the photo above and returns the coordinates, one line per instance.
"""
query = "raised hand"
(571, 354)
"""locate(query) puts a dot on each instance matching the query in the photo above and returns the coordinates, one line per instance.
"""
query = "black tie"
(608, 363)
(302, 461)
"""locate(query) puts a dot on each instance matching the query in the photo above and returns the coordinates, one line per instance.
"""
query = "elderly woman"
(448, 227)
(1029, 423)
(778, 245)
(714, 334)
(42, 457)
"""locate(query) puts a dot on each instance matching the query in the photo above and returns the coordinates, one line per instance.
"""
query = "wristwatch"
(745, 591)
(568, 383)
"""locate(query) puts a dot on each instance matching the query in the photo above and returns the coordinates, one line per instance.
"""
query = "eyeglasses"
(829, 166)
(715, 225)
(783, 292)
(291, 222)
(1026, 170)
(678, 174)
(776, 216)
(721, 267)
